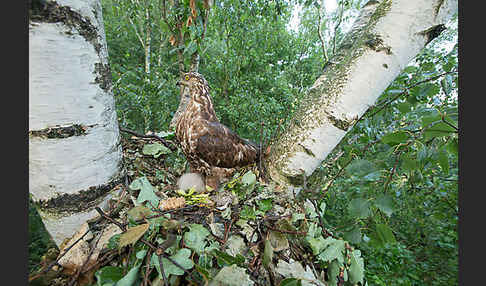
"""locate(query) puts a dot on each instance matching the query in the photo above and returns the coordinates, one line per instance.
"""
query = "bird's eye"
(187, 77)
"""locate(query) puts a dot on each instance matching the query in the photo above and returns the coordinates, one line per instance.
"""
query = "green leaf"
(290, 282)
(333, 251)
(155, 149)
(114, 241)
(385, 204)
(130, 278)
(404, 107)
(453, 147)
(408, 162)
(385, 233)
(359, 208)
(191, 48)
(333, 272)
(108, 275)
(147, 192)
(139, 212)
(267, 253)
(224, 258)
(427, 120)
(360, 168)
(141, 254)
(265, 205)
(317, 244)
(322, 207)
(440, 129)
(443, 161)
(182, 257)
(248, 212)
(428, 90)
(395, 138)
(195, 238)
(356, 269)
(353, 236)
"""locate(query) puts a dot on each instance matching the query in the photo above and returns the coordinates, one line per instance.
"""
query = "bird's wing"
(221, 147)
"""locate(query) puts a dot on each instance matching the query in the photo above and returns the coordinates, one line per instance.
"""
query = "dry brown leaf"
(172, 40)
(189, 21)
(133, 234)
(192, 4)
(172, 203)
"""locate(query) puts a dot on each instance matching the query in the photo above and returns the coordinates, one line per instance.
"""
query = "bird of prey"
(211, 148)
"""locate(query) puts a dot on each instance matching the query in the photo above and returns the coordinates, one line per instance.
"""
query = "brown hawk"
(211, 148)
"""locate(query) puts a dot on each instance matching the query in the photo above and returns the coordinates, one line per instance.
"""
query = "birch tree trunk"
(387, 35)
(74, 145)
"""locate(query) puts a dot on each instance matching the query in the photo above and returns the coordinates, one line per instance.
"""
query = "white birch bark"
(69, 83)
(387, 35)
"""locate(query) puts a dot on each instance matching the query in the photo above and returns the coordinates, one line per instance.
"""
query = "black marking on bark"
(61, 132)
(82, 201)
(437, 8)
(339, 123)
(297, 180)
(55, 13)
(433, 32)
(371, 2)
(375, 42)
(307, 150)
(51, 12)
(103, 77)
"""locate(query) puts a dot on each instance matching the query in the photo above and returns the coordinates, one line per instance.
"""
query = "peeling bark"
(387, 35)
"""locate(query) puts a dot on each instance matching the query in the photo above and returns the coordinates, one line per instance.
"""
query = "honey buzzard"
(211, 148)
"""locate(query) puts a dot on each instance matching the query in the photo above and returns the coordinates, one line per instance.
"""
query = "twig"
(80, 270)
(407, 89)
(148, 268)
(161, 265)
(58, 258)
(167, 144)
(319, 32)
(336, 27)
(448, 123)
(121, 226)
(286, 231)
(260, 150)
(392, 172)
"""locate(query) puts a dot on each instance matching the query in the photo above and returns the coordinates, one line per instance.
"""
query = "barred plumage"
(211, 148)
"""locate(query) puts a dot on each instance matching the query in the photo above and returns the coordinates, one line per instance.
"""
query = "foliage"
(391, 184)
(384, 202)
(39, 239)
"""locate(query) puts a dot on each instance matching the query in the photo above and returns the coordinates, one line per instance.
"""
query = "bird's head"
(198, 87)
(192, 79)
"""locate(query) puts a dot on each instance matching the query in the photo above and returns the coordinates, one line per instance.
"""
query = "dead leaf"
(133, 234)
(189, 21)
(172, 40)
(172, 203)
(192, 4)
